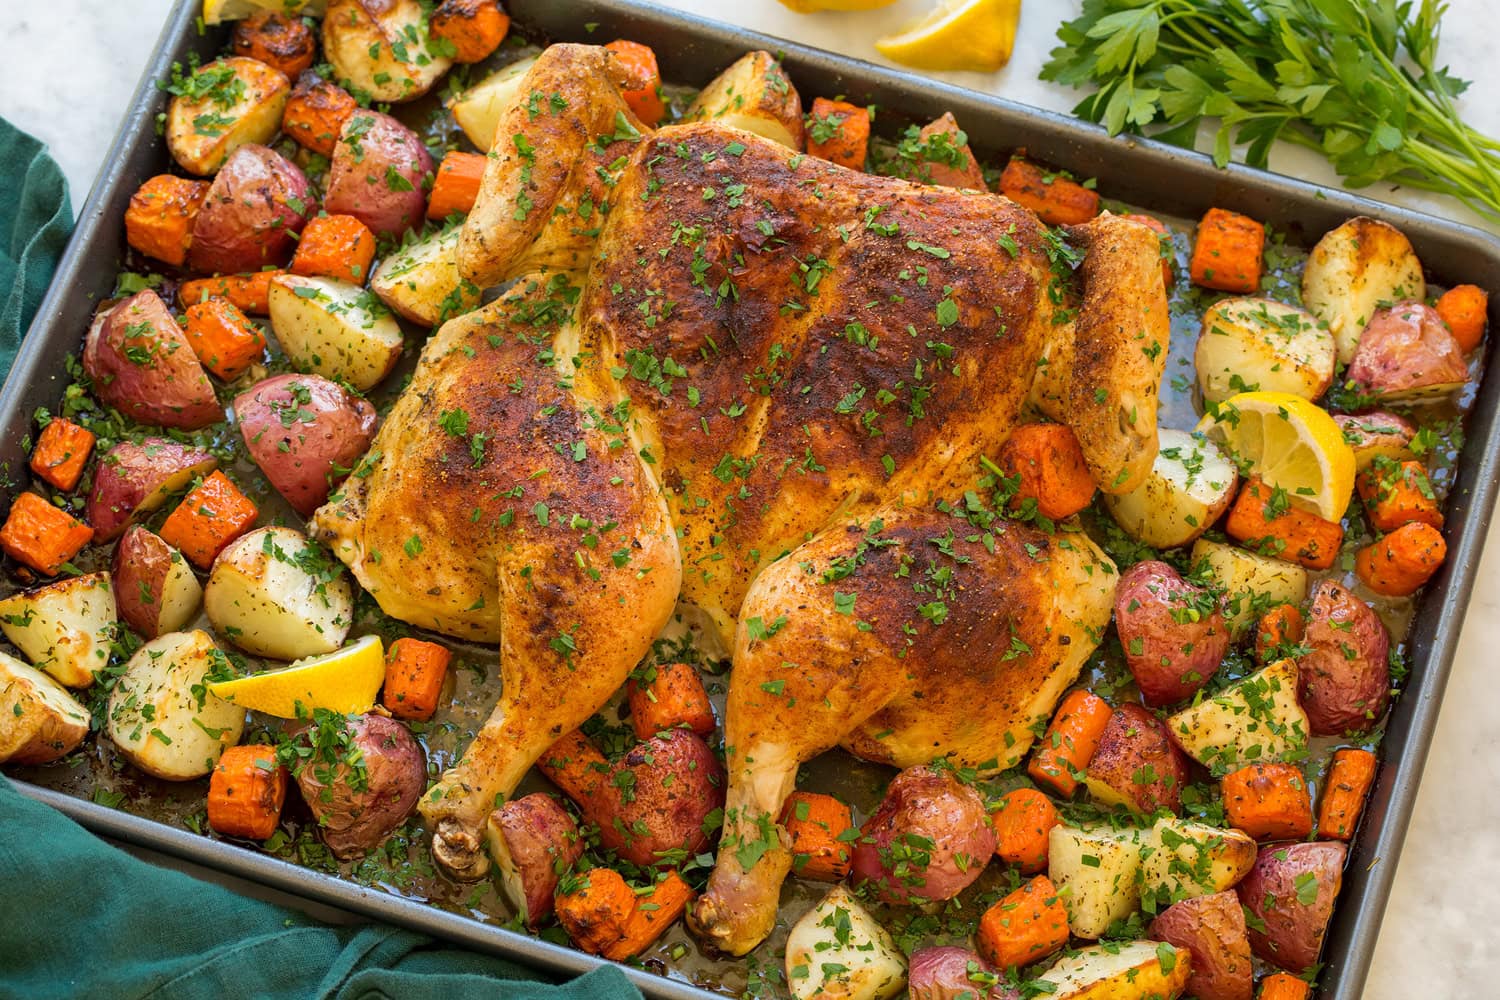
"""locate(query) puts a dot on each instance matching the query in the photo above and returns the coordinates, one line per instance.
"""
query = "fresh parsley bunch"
(1356, 80)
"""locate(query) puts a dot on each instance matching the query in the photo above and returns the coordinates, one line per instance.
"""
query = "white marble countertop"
(1441, 938)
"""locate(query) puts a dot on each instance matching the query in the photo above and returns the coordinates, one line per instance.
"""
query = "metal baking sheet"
(1159, 177)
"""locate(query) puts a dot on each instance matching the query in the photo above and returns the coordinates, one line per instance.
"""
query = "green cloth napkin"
(82, 919)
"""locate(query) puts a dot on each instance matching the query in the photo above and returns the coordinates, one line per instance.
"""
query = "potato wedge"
(1255, 720)
(1191, 483)
(529, 840)
(39, 720)
(1137, 970)
(335, 329)
(1096, 870)
(478, 110)
(161, 714)
(222, 106)
(64, 628)
(1185, 859)
(838, 949)
(755, 95)
(133, 479)
(1252, 583)
(382, 48)
(1376, 435)
(1254, 343)
(1352, 271)
(273, 592)
(420, 282)
(154, 586)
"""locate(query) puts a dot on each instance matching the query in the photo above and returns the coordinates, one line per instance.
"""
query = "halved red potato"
(141, 364)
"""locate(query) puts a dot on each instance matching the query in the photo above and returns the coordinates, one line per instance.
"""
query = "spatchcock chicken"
(727, 374)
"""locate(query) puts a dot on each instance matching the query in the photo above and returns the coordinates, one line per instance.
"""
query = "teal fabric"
(80, 919)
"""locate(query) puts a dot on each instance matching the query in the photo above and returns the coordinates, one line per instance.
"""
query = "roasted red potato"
(1137, 765)
(250, 218)
(532, 840)
(1288, 897)
(1376, 435)
(359, 805)
(155, 588)
(1344, 680)
(379, 174)
(142, 364)
(928, 840)
(947, 972)
(1407, 352)
(1173, 632)
(1211, 929)
(132, 480)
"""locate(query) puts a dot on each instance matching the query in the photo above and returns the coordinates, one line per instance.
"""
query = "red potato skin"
(372, 145)
(1169, 658)
(1293, 931)
(304, 432)
(140, 565)
(1137, 744)
(923, 802)
(1378, 428)
(541, 837)
(258, 203)
(1406, 347)
(1344, 681)
(942, 973)
(141, 364)
(1212, 929)
(129, 473)
(355, 822)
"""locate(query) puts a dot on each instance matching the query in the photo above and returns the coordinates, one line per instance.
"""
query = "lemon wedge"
(217, 11)
(1289, 443)
(345, 680)
(809, 6)
(958, 34)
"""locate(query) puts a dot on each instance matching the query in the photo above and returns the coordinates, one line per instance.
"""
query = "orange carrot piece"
(1401, 562)
(644, 97)
(1344, 790)
(1465, 308)
(223, 338)
(316, 112)
(1284, 986)
(250, 293)
(335, 246)
(159, 221)
(246, 792)
(414, 674)
(667, 697)
(1023, 820)
(652, 915)
(575, 765)
(1269, 801)
(945, 157)
(1265, 520)
(822, 830)
(42, 536)
(596, 909)
(1228, 252)
(456, 187)
(475, 27)
(1024, 927)
(839, 132)
(1056, 200)
(1168, 276)
(278, 40)
(62, 450)
(1051, 467)
(208, 519)
(1278, 628)
(1070, 741)
(1396, 493)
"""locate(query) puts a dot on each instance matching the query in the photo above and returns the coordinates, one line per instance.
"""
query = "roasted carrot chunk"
(839, 132)
(278, 40)
(474, 27)
(944, 157)
(667, 697)
(414, 674)
(1055, 199)
(208, 519)
(1051, 469)
(1024, 927)
(1228, 252)
(456, 187)
(249, 293)
(316, 112)
(1465, 308)
(61, 453)
(159, 221)
(652, 915)
(1158, 227)
(1269, 801)
(1397, 493)
(595, 909)
(1344, 790)
(335, 246)
(223, 338)
(42, 536)
(822, 829)
(574, 765)
(1023, 821)
(1070, 742)
(644, 96)
(246, 792)
(1401, 562)
(1277, 629)
(1284, 986)
(1265, 520)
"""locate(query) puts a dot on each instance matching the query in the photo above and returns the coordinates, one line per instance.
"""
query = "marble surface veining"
(74, 63)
